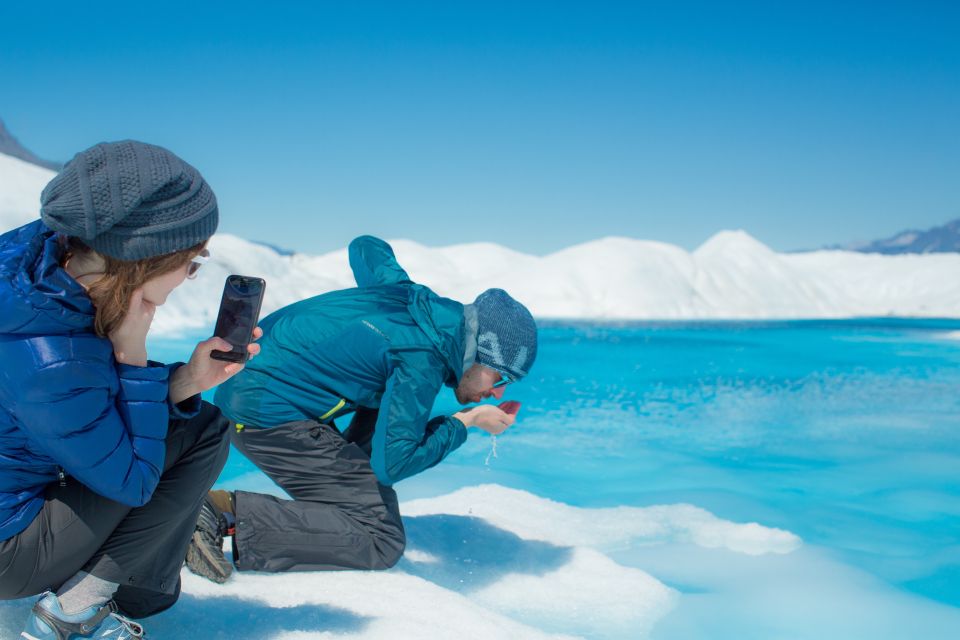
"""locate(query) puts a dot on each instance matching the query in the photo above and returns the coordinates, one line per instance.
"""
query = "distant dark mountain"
(12, 147)
(942, 239)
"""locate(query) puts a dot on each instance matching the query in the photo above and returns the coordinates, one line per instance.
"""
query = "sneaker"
(205, 553)
(48, 622)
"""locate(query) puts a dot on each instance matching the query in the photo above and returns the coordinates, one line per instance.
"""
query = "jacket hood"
(374, 264)
(441, 319)
(36, 295)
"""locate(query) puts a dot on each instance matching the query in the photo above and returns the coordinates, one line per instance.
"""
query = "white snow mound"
(731, 276)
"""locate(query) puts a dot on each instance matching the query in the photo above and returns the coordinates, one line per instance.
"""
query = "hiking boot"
(205, 553)
(48, 622)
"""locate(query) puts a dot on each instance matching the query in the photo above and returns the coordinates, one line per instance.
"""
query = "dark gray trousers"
(141, 549)
(340, 516)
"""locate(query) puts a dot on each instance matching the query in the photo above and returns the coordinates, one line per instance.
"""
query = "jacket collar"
(36, 295)
(470, 328)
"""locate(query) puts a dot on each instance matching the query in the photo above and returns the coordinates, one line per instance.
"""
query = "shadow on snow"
(471, 553)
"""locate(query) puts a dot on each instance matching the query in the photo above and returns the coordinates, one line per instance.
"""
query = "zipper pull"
(62, 476)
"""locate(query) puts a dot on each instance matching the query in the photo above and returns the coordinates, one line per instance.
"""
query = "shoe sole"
(217, 569)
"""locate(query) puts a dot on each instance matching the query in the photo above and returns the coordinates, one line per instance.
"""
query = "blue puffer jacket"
(66, 407)
(388, 344)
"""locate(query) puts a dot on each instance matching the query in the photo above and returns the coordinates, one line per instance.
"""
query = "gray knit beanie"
(130, 200)
(506, 334)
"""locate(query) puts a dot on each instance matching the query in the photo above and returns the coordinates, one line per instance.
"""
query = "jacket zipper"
(62, 475)
(339, 406)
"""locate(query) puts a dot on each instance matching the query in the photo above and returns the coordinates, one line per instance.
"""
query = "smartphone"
(239, 312)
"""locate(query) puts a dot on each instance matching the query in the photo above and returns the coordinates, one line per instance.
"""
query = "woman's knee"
(199, 443)
(211, 428)
(211, 421)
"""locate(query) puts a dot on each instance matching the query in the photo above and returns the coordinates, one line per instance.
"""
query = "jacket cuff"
(459, 431)
(457, 424)
(143, 384)
(186, 409)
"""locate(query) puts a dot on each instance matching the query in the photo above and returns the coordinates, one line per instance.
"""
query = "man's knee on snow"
(390, 551)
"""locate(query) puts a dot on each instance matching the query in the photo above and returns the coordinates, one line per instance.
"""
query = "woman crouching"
(105, 456)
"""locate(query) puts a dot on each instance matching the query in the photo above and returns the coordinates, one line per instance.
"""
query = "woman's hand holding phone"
(203, 372)
(237, 317)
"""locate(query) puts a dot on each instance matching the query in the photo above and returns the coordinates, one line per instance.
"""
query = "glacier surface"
(731, 276)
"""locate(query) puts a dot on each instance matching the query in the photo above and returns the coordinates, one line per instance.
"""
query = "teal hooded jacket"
(388, 344)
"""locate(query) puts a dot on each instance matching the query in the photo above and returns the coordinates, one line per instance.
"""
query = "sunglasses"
(504, 380)
(198, 261)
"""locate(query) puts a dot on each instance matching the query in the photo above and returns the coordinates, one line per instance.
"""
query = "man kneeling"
(381, 351)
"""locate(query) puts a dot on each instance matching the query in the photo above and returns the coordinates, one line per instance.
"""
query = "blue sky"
(535, 125)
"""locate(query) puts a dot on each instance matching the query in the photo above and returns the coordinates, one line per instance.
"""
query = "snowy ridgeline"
(732, 275)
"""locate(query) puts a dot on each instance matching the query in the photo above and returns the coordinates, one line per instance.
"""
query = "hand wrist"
(130, 357)
(182, 385)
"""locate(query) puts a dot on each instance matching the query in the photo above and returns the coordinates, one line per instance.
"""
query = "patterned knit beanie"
(506, 334)
(130, 200)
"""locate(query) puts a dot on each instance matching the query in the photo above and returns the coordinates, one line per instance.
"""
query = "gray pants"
(141, 549)
(340, 516)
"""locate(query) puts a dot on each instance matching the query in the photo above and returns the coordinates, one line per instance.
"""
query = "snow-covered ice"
(731, 276)
(535, 518)
(20, 187)
(484, 562)
(490, 562)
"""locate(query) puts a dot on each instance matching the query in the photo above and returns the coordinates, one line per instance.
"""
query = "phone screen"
(239, 311)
